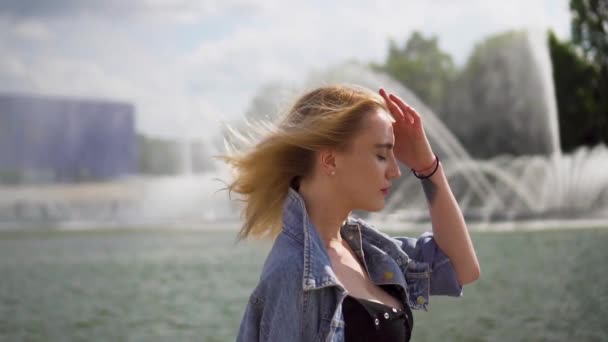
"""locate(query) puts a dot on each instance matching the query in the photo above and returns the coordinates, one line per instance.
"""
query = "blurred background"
(112, 225)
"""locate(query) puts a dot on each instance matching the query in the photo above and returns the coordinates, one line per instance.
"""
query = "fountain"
(507, 189)
(548, 186)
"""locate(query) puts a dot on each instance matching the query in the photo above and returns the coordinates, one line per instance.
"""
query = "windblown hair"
(327, 117)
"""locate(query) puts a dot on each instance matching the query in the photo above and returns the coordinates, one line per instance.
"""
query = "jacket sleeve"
(443, 280)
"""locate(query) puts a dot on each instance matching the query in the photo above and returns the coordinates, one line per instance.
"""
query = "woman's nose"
(393, 170)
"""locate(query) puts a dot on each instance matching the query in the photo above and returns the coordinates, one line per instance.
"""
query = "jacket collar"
(318, 272)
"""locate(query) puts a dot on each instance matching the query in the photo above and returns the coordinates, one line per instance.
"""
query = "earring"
(333, 173)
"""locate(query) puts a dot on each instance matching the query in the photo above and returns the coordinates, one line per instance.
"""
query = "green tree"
(590, 29)
(580, 72)
(582, 119)
(421, 66)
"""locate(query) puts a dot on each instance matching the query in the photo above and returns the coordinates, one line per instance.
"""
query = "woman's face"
(365, 171)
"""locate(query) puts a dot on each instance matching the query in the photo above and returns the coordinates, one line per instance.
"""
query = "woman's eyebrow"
(385, 145)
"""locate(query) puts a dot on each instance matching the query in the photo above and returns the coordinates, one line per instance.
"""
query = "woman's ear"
(327, 159)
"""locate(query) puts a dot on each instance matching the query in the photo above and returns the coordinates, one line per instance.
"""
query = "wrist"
(428, 172)
(429, 166)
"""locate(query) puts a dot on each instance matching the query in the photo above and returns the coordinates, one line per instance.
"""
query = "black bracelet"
(432, 173)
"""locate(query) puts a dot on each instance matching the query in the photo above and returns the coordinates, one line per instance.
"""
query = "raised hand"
(412, 147)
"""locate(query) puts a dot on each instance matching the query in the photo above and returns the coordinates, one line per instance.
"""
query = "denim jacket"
(298, 297)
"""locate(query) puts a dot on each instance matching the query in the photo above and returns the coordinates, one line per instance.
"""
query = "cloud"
(180, 10)
(32, 30)
(187, 65)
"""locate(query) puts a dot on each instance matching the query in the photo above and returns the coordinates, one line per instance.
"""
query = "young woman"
(328, 276)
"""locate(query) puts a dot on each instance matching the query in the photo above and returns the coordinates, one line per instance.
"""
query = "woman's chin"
(375, 207)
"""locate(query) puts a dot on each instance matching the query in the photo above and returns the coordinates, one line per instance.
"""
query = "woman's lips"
(384, 191)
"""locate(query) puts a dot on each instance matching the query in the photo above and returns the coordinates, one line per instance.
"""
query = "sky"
(189, 65)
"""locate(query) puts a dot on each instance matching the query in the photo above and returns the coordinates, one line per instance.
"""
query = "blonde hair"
(327, 117)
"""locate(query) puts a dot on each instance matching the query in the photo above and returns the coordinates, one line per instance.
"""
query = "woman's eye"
(381, 157)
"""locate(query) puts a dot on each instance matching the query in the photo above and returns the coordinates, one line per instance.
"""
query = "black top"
(370, 321)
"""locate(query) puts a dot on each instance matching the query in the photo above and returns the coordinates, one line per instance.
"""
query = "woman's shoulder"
(368, 230)
(393, 245)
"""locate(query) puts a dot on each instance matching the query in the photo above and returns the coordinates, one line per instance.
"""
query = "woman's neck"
(325, 210)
